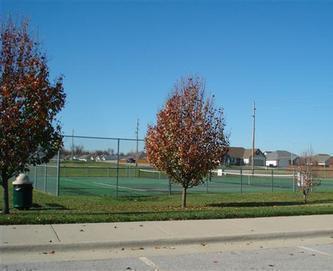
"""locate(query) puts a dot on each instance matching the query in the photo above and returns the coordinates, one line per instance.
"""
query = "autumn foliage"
(29, 103)
(188, 139)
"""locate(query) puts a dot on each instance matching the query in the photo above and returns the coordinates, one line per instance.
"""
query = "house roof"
(321, 158)
(277, 155)
(237, 152)
(248, 153)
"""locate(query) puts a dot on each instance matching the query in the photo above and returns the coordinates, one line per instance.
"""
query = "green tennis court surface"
(132, 181)
(158, 183)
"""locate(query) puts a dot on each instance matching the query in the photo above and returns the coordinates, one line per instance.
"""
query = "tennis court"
(86, 173)
(143, 182)
(127, 181)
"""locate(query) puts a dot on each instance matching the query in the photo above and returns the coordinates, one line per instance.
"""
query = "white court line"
(149, 263)
(314, 250)
(125, 187)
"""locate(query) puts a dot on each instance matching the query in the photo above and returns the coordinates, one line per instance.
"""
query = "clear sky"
(120, 60)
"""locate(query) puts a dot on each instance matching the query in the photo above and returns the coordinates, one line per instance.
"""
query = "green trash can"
(22, 192)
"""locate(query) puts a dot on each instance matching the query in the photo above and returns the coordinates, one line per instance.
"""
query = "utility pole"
(137, 142)
(72, 144)
(253, 135)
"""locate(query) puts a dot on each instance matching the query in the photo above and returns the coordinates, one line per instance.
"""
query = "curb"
(163, 242)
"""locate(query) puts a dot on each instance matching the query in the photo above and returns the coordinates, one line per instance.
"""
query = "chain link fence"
(46, 177)
(118, 167)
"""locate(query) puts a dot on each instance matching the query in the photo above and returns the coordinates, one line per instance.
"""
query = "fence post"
(36, 185)
(169, 186)
(249, 178)
(272, 180)
(294, 181)
(58, 174)
(117, 177)
(241, 180)
(45, 178)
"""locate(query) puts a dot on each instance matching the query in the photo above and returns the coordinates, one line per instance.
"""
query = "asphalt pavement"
(302, 258)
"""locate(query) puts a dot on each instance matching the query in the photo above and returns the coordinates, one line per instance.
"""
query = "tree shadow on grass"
(75, 191)
(47, 206)
(106, 214)
(141, 198)
(266, 204)
(254, 204)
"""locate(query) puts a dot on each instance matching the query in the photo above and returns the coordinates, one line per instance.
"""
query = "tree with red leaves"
(29, 131)
(189, 138)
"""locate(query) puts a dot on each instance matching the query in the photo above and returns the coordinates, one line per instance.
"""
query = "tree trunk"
(184, 197)
(5, 209)
(305, 197)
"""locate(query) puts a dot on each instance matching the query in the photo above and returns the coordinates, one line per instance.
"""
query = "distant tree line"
(78, 151)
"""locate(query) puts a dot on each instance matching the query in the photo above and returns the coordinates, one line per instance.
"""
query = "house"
(112, 157)
(280, 158)
(83, 158)
(238, 156)
(321, 160)
(330, 162)
(97, 158)
(234, 157)
(259, 158)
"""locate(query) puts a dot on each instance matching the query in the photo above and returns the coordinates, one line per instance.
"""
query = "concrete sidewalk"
(139, 234)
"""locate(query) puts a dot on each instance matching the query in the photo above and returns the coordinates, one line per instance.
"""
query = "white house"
(280, 159)
(239, 156)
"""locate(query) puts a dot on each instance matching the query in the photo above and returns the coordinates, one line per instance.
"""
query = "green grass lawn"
(84, 209)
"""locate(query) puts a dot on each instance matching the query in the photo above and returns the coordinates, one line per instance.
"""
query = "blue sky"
(120, 60)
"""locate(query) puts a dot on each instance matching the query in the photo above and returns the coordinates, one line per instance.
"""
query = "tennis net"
(151, 174)
(264, 179)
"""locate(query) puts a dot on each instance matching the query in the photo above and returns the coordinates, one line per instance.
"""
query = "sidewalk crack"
(55, 233)
(164, 231)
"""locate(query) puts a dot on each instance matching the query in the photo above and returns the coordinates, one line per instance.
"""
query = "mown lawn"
(84, 209)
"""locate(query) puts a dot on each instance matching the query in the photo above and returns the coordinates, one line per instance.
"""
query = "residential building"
(321, 160)
(280, 158)
(259, 157)
(234, 156)
(330, 162)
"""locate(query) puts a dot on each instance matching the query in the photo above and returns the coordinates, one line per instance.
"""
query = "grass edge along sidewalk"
(49, 209)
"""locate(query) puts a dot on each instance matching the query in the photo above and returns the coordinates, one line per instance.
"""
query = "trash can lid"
(22, 179)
